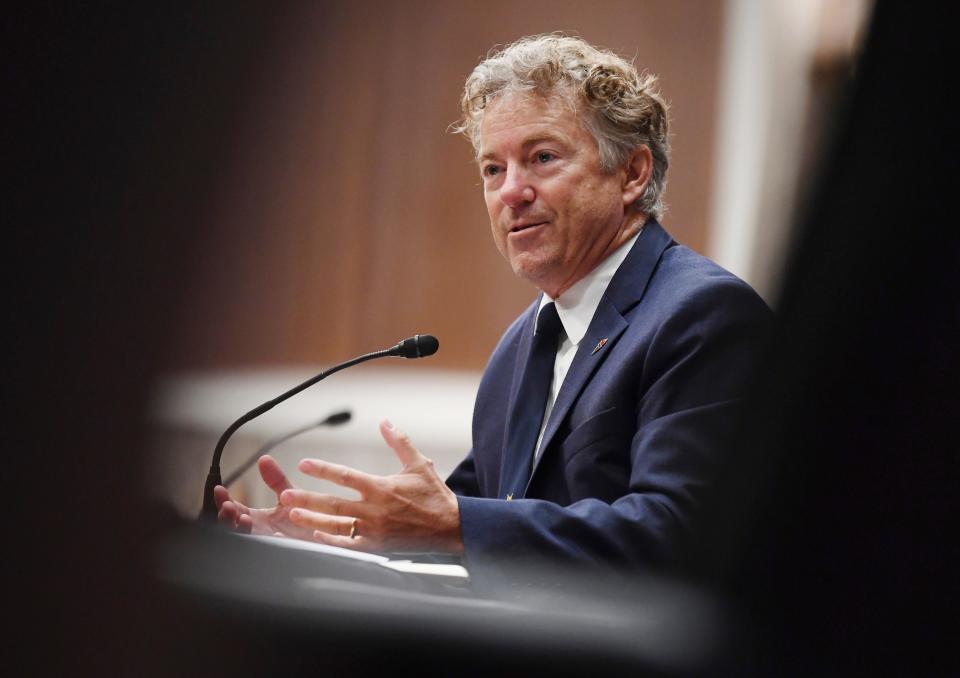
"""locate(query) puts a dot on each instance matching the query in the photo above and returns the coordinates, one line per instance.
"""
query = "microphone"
(335, 419)
(417, 346)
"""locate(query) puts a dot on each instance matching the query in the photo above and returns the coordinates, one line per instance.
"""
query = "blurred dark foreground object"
(838, 537)
(282, 608)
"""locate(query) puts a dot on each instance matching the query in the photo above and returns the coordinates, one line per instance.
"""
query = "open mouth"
(523, 227)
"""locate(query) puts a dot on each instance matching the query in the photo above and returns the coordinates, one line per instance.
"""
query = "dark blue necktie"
(527, 416)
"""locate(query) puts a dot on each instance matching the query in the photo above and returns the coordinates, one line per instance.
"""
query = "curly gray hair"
(624, 108)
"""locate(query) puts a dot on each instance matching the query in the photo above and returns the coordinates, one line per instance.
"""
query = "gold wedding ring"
(353, 529)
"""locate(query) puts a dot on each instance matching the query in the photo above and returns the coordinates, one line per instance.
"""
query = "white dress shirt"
(576, 307)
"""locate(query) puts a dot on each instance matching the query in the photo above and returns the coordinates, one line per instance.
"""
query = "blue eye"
(491, 170)
(545, 156)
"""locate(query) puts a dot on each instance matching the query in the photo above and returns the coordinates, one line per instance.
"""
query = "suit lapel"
(607, 324)
(624, 292)
(510, 467)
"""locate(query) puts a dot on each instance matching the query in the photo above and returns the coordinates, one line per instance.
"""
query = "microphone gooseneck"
(417, 346)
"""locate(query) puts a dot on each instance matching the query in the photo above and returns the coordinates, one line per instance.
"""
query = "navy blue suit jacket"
(632, 444)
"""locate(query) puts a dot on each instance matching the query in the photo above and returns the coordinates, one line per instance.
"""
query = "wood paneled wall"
(347, 217)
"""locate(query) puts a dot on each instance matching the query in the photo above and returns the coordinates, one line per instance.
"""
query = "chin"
(532, 274)
(536, 266)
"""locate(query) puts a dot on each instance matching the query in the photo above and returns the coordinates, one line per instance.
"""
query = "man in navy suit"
(599, 420)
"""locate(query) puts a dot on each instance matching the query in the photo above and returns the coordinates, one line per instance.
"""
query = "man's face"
(554, 212)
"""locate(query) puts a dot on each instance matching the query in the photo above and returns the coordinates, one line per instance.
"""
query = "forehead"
(519, 118)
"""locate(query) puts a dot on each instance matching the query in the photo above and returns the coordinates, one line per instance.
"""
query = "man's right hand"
(273, 521)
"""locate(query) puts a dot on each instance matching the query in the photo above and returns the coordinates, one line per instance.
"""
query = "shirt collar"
(577, 305)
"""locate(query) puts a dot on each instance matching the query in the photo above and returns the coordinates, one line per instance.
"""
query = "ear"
(638, 171)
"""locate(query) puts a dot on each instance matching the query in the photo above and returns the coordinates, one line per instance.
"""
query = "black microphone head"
(417, 346)
(337, 418)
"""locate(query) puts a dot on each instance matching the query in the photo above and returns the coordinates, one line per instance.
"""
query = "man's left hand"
(412, 510)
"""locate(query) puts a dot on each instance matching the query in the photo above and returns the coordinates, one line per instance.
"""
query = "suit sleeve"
(463, 480)
(688, 384)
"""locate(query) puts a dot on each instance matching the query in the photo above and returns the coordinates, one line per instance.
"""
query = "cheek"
(500, 241)
(494, 207)
(490, 200)
(597, 206)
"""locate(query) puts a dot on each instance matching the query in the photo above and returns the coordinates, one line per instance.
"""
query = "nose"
(516, 189)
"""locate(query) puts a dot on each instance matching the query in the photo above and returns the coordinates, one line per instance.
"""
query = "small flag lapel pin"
(600, 344)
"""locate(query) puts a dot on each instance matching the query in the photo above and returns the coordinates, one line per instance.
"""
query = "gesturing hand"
(410, 510)
(274, 521)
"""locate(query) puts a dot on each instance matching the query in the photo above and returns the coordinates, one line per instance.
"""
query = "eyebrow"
(532, 141)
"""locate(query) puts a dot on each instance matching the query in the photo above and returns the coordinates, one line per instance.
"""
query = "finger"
(273, 475)
(235, 516)
(339, 474)
(228, 514)
(220, 495)
(334, 525)
(323, 503)
(400, 443)
(356, 544)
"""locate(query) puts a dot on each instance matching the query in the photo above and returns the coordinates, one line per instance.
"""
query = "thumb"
(400, 443)
(273, 475)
